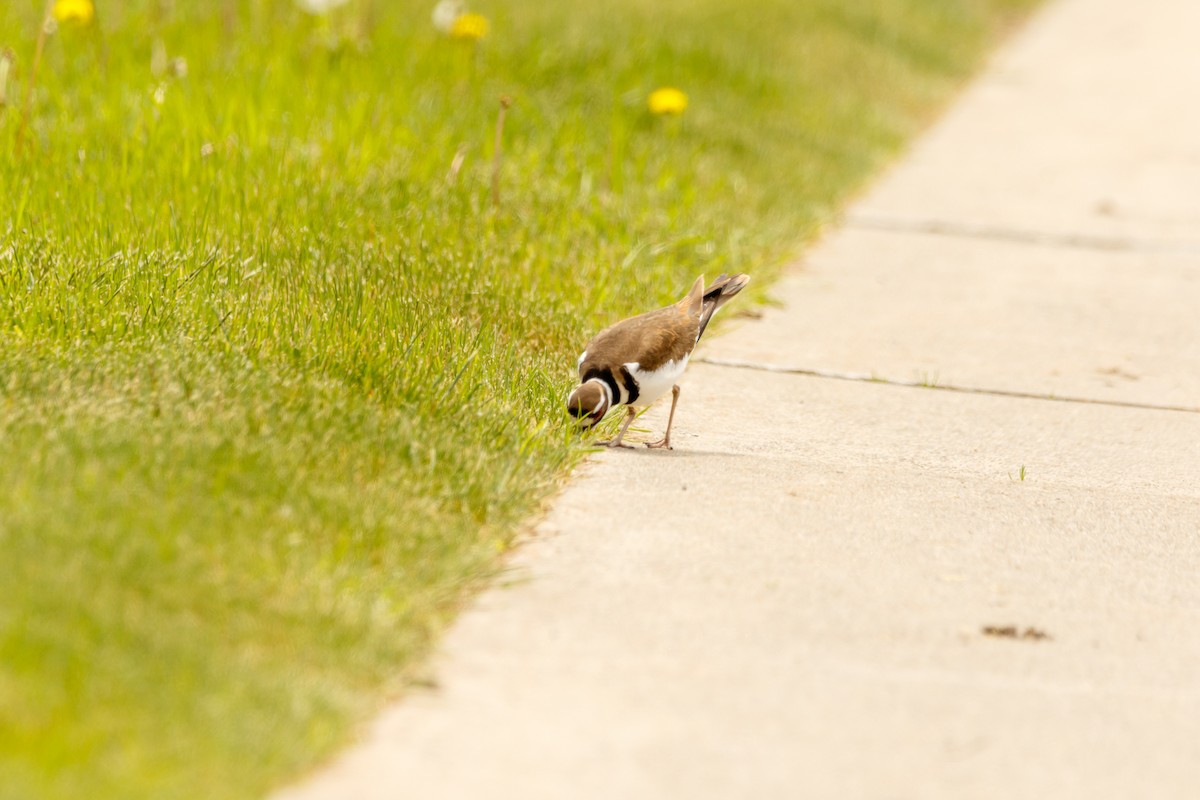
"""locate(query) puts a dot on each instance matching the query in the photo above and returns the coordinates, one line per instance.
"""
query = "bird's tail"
(718, 294)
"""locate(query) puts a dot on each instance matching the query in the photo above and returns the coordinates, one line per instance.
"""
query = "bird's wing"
(650, 339)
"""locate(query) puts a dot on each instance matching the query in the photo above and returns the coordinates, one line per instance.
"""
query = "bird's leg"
(629, 415)
(666, 440)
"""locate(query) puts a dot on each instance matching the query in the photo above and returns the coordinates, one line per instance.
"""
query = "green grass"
(275, 393)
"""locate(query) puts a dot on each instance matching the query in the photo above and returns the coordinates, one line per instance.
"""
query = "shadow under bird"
(638, 360)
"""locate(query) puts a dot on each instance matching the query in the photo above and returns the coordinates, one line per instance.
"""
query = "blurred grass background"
(276, 390)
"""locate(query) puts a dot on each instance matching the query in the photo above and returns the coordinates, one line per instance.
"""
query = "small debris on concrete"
(1013, 632)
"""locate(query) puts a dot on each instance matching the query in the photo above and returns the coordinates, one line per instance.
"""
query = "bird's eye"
(576, 410)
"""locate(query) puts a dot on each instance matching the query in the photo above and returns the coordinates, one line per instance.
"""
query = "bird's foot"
(614, 443)
(661, 444)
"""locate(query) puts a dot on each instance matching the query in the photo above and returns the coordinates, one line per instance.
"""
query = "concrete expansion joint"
(969, 230)
(927, 384)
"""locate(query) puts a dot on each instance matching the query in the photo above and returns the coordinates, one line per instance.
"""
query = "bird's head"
(589, 402)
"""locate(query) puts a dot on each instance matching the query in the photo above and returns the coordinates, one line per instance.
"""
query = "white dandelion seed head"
(445, 12)
(318, 7)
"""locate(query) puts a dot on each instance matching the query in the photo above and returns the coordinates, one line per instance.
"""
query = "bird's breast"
(653, 384)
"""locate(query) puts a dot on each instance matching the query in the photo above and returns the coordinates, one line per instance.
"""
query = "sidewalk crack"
(944, 387)
(969, 230)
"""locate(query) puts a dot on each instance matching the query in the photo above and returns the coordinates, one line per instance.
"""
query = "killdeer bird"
(636, 361)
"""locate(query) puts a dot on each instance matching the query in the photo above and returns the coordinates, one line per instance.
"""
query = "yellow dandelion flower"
(81, 11)
(471, 27)
(667, 100)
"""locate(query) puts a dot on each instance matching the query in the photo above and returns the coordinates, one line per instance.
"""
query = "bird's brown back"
(651, 339)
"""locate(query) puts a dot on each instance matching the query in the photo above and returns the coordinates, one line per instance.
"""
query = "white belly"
(653, 385)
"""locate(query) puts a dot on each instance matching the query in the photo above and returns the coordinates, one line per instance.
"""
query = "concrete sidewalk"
(793, 602)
